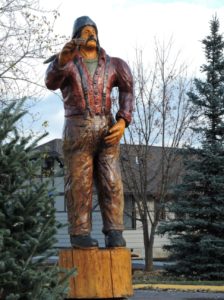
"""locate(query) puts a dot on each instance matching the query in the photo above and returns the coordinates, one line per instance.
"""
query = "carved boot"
(83, 241)
(114, 238)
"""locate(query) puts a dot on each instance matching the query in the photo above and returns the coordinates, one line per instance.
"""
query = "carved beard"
(91, 38)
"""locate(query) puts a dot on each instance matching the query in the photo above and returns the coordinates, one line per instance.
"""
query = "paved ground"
(139, 264)
(171, 295)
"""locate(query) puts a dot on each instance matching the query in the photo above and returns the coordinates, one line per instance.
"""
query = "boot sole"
(84, 248)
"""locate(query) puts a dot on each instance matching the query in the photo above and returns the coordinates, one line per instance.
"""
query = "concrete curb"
(194, 288)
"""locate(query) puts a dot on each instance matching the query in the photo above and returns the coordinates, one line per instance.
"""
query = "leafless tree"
(152, 161)
(26, 38)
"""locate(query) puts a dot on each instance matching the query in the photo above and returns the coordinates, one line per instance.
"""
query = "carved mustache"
(91, 38)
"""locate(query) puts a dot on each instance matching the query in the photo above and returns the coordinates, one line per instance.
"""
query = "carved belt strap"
(85, 85)
(106, 72)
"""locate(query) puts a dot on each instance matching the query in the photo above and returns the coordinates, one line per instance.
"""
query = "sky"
(127, 25)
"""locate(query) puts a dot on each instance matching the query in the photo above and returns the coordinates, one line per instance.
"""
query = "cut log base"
(102, 273)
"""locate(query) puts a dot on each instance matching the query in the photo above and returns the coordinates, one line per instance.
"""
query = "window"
(52, 166)
(162, 215)
(129, 213)
(48, 167)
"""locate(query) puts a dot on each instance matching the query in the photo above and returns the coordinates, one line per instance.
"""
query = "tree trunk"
(148, 243)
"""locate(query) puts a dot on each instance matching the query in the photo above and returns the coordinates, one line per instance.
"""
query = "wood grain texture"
(102, 273)
(121, 272)
(66, 262)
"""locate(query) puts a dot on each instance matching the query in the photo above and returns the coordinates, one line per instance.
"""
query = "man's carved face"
(88, 33)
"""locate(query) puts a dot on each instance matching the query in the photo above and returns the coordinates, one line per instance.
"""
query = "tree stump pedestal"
(102, 273)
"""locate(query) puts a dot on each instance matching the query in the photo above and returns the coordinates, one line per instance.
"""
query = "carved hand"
(68, 51)
(115, 133)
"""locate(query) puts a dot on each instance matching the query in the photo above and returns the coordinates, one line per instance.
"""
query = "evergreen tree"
(27, 221)
(197, 231)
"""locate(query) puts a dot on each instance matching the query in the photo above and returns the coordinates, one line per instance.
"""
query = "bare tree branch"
(152, 162)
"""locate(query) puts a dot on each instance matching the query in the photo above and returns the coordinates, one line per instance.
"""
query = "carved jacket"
(83, 93)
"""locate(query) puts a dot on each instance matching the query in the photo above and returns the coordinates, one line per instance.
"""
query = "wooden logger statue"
(86, 75)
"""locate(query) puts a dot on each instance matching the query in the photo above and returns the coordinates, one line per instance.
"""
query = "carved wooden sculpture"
(85, 74)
